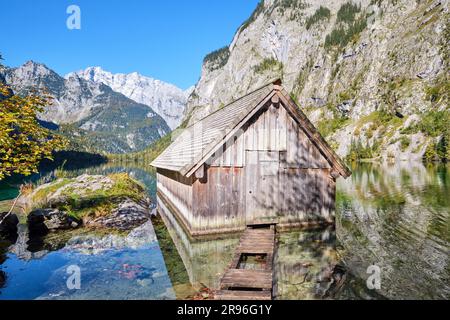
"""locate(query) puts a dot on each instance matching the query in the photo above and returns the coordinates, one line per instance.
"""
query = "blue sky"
(166, 40)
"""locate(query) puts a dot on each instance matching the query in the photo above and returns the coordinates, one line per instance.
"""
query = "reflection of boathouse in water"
(258, 160)
(303, 265)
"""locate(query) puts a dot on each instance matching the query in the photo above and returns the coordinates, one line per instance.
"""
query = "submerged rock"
(140, 237)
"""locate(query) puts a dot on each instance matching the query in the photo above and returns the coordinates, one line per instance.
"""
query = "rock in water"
(115, 202)
(128, 215)
(43, 220)
(9, 224)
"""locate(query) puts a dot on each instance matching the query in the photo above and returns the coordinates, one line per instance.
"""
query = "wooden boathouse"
(258, 160)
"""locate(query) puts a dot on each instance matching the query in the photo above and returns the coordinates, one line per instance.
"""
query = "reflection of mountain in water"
(397, 217)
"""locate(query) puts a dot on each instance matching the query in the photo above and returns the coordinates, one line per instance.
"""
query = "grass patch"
(329, 126)
(41, 194)
(438, 92)
(379, 119)
(267, 64)
(405, 142)
(432, 124)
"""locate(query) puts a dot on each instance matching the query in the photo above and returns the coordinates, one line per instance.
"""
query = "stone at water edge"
(128, 215)
(44, 220)
(9, 224)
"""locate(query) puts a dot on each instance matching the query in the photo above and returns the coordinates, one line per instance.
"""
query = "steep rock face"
(165, 99)
(369, 74)
(107, 120)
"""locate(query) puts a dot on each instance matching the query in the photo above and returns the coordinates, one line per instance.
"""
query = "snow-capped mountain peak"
(165, 99)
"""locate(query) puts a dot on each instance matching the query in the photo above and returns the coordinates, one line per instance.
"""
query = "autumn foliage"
(23, 141)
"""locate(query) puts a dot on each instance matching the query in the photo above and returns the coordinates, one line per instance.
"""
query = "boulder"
(128, 215)
(42, 221)
(115, 201)
(9, 224)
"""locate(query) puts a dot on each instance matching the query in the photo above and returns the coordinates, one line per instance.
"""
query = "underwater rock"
(140, 237)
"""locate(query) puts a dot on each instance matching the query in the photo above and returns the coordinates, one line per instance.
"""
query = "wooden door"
(262, 186)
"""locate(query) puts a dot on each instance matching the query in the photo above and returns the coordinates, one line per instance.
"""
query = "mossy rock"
(114, 201)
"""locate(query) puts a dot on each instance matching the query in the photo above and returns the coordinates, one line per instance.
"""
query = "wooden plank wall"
(219, 201)
(307, 196)
(178, 189)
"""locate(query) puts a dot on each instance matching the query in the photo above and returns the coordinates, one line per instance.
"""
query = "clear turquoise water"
(393, 216)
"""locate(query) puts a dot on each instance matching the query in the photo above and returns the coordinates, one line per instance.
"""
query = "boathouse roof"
(198, 142)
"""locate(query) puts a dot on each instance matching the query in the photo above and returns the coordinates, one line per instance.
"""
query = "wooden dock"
(247, 281)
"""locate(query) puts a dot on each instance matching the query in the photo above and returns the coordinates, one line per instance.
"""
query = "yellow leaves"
(23, 142)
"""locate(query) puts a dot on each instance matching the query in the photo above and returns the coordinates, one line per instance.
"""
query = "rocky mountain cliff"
(371, 74)
(100, 118)
(165, 99)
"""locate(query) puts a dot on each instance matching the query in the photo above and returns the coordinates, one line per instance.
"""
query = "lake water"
(394, 218)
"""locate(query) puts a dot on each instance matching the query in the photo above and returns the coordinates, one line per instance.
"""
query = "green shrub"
(347, 27)
(290, 4)
(433, 123)
(268, 64)
(347, 12)
(344, 34)
(322, 13)
(359, 152)
(218, 58)
(405, 142)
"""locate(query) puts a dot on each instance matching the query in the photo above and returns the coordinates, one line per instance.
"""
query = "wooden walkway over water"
(250, 276)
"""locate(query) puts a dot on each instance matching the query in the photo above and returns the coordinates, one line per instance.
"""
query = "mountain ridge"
(107, 120)
(164, 98)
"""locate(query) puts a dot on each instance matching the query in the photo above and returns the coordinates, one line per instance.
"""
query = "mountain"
(165, 99)
(90, 112)
(371, 74)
